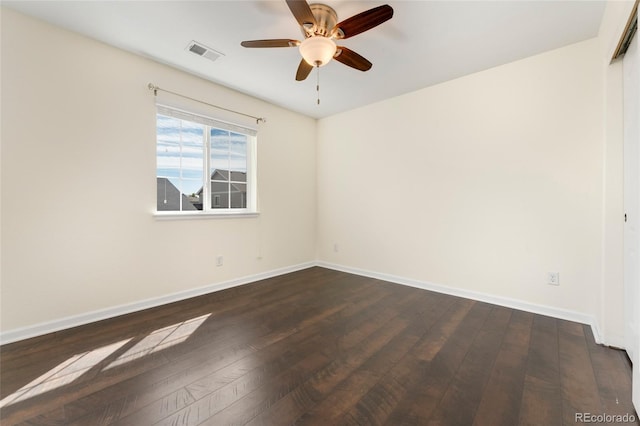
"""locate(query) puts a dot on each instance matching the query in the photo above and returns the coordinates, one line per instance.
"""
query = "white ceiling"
(425, 43)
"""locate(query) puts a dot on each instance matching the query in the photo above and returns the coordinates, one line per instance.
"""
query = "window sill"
(203, 215)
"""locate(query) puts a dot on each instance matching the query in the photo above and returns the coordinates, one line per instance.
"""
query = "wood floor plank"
(500, 404)
(317, 347)
(415, 367)
(273, 358)
(436, 374)
(578, 384)
(541, 396)
(388, 385)
(465, 392)
(262, 399)
(307, 396)
(288, 408)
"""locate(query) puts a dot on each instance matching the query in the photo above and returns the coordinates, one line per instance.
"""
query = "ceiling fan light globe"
(317, 50)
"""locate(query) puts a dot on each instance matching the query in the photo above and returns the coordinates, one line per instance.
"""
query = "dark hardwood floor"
(316, 347)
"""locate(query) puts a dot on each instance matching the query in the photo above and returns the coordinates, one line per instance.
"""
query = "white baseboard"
(86, 318)
(474, 295)
(89, 317)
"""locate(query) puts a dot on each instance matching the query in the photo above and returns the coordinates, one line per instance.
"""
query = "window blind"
(207, 121)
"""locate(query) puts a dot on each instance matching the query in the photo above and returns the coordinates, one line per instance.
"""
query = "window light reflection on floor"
(63, 373)
(160, 339)
(74, 367)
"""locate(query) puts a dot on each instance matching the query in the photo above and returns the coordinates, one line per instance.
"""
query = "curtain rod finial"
(259, 119)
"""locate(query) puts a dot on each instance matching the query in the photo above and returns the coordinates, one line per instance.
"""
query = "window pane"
(228, 169)
(168, 195)
(167, 129)
(168, 160)
(238, 153)
(180, 164)
(193, 197)
(238, 195)
(219, 150)
(219, 195)
(238, 177)
(192, 157)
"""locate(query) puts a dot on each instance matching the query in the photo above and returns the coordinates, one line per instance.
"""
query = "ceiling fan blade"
(362, 22)
(352, 59)
(304, 69)
(301, 11)
(278, 42)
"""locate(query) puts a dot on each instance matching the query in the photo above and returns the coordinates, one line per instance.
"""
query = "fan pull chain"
(318, 82)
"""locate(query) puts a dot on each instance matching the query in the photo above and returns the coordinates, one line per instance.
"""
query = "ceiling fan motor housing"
(326, 19)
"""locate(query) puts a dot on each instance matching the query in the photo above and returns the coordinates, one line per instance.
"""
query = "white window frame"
(251, 209)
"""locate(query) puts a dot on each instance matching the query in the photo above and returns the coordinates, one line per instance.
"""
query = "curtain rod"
(155, 89)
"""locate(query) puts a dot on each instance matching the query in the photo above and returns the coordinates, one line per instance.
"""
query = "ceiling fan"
(319, 26)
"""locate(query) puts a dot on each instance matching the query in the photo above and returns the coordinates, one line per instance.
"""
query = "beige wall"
(78, 183)
(484, 183)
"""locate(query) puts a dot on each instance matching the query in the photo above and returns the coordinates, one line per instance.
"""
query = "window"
(204, 166)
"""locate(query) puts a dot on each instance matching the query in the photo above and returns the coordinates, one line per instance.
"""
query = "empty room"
(342, 212)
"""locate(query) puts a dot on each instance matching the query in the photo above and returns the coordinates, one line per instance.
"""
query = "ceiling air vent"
(204, 51)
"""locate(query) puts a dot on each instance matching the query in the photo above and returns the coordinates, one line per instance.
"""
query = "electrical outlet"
(219, 261)
(553, 278)
(336, 248)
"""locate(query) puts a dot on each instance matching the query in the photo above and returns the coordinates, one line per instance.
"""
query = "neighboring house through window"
(203, 165)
